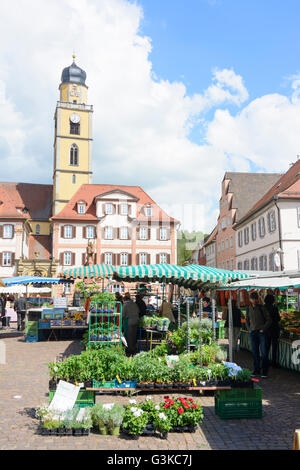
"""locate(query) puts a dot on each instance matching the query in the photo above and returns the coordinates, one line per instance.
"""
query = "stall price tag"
(194, 382)
(119, 380)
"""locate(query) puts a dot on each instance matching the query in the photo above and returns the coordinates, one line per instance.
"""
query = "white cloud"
(141, 124)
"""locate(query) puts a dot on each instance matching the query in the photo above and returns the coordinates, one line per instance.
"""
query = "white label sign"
(65, 396)
(60, 302)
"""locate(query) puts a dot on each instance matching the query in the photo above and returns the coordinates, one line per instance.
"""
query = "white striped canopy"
(191, 276)
(93, 271)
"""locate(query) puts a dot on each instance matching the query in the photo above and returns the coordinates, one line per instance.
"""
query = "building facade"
(268, 236)
(240, 191)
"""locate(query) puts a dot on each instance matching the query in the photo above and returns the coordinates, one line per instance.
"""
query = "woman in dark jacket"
(272, 334)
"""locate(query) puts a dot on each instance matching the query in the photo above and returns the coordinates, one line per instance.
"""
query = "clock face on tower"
(75, 118)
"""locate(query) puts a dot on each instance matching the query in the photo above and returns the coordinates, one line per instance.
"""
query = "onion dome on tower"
(73, 74)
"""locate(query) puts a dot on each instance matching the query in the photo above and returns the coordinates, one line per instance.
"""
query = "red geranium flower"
(191, 400)
(171, 402)
(194, 406)
(166, 397)
(180, 410)
(186, 405)
(167, 405)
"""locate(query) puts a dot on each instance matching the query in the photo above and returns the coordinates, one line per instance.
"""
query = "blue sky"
(259, 38)
(183, 91)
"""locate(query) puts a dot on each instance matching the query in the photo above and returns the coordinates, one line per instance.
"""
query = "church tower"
(73, 137)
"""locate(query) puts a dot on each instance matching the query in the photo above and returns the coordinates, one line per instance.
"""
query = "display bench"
(287, 355)
(55, 323)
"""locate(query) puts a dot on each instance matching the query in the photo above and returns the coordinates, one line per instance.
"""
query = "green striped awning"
(192, 276)
(93, 271)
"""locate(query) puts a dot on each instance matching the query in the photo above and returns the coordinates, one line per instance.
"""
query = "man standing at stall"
(131, 318)
(20, 307)
(258, 321)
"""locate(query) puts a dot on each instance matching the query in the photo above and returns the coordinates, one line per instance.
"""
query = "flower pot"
(68, 432)
(115, 431)
(133, 436)
(88, 383)
(192, 428)
(103, 430)
(77, 432)
(164, 435)
(85, 432)
(61, 431)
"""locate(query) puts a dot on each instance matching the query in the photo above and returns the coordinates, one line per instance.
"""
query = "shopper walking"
(131, 316)
(20, 307)
(236, 324)
(258, 321)
(272, 334)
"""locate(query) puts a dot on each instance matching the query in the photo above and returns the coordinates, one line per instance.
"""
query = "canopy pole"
(230, 326)
(213, 303)
(287, 299)
(200, 330)
(26, 311)
(179, 312)
(188, 325)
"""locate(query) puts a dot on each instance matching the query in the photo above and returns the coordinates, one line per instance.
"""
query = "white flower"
(148, 398)
(162, 416)
(132, 401)
(133, 409)
(55, 369)
(157, 407)
(138, 413)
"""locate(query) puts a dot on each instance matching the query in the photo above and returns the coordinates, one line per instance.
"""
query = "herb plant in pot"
(100, 417)
(243, 379)
(115, 420)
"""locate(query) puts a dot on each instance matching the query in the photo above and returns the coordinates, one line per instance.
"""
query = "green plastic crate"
(239, 403)
(221, 332)
(99, 384)
(85, 397)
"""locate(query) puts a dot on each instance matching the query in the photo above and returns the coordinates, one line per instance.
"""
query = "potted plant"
(100, 417)
(243, 379)
(162, 423)
(115, 420)
(135, 421)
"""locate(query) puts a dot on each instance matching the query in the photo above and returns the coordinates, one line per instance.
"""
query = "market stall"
(45, 318)
(289, 341)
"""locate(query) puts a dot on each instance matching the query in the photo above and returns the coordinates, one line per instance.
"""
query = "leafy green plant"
(135, 420)
(162, 422)
(100, 416)
(243, 375)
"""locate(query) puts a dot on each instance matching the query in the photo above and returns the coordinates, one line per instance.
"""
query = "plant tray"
(99, 384)
(184, 429)
(44, 324)
(32, 339)
(64, 432)
(125, 384)
(85, 397)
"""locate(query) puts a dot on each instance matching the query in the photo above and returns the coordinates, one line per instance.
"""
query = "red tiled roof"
(89, 192)
(36, 198)
(288, 186)
(41, 244)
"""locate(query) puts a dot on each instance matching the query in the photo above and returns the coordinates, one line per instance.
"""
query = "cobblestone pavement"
(24, 386)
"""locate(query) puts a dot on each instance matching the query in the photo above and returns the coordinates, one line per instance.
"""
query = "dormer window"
(148, 211)
(81, 208)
